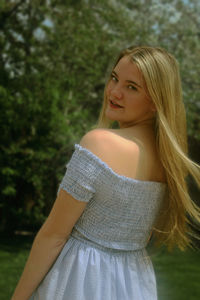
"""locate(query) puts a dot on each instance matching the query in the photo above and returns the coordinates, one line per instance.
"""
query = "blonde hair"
(161, 74)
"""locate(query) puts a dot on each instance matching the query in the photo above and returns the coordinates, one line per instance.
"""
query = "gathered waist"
(81, 237)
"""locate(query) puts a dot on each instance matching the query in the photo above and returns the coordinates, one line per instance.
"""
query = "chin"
(110, 116)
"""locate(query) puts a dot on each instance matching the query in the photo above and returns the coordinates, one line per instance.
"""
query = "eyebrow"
(129, 81)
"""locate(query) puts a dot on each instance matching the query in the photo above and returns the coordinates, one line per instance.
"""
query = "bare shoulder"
(112, 148)
(97, 141)
(104, 139)
(124, 153)
(95, 136)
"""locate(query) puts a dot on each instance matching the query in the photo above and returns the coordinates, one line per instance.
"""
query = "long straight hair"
(160, 71)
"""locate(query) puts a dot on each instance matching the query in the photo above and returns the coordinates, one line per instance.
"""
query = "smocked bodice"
(120, 212)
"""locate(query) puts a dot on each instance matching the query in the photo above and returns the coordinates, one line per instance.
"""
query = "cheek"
(135, 105)
(108, 93)
(108, 88)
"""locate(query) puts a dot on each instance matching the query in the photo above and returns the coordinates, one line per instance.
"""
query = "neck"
(145, 124)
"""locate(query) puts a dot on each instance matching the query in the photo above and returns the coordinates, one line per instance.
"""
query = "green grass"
(13, 254)
(177, 273)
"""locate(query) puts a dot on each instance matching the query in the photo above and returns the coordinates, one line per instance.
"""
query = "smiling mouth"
(116, 105)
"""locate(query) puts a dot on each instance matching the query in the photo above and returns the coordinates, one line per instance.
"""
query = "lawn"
(178, 273)
(13, 254)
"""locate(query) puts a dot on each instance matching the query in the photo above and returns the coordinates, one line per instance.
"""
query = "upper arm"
(76, 188)
(63, 216)
(78, 184)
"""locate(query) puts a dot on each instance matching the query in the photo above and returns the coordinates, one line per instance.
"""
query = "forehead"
(128, 69)
(126, 63)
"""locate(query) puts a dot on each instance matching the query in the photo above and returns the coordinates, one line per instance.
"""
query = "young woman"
(121, 185)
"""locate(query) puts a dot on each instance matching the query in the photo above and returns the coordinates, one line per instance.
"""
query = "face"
(126, 88)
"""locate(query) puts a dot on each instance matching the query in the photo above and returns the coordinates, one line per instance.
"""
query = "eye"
(132, 87)
(113, 78)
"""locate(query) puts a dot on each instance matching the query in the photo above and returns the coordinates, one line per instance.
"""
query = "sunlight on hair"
(161, 74)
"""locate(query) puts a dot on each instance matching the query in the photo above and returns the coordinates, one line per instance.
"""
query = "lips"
(113, 102)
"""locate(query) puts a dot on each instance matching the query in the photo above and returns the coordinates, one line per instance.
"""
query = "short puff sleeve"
(79, 179)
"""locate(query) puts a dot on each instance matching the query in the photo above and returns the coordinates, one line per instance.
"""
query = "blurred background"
(54, 59)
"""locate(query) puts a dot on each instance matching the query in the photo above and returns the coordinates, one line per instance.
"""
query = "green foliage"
(54, 60)
(34, 132)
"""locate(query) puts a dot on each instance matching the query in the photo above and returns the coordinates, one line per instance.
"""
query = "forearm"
(44, 251)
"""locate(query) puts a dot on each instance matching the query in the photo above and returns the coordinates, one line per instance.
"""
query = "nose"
(116, 92)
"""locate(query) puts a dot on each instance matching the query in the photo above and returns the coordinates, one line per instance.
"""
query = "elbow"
(52, 239)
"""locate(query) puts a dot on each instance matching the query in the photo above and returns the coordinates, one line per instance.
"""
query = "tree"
(55, 58)
(34, 131)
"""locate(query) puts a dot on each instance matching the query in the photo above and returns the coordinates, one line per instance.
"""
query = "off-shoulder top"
(120, 211)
